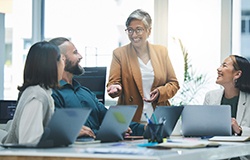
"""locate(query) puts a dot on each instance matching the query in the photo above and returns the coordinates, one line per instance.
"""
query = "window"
(95, 32)
(245, 29)
(245, 23)
(243, 26)
(18, 29)
(198, 25)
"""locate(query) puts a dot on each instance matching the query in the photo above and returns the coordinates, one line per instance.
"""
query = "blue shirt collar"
(75, 84)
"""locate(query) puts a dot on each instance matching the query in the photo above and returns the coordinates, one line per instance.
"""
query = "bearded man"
(73, 95)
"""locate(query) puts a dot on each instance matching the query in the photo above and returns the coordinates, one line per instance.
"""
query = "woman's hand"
(154, 95)
(114, 90)
(236, 128)
(86, 131)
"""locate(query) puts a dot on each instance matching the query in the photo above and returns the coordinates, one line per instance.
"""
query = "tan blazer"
(125, 70)
(243, 109)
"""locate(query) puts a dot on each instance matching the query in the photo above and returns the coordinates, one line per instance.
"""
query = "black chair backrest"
(94, 78)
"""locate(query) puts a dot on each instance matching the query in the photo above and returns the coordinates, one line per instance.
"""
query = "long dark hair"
(41, 66)
(243, 82)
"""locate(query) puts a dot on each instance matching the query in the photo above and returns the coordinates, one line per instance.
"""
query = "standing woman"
(43, 69)
(141, 73)
(234, 77)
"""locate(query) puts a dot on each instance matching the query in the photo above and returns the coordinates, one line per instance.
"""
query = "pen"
(154, 118)
(149, 121)
(206, 137)
(171, 141)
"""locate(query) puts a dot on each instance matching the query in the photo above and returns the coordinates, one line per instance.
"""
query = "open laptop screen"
(206, 120)
(171, 115)
(62, 129)
(7, 110)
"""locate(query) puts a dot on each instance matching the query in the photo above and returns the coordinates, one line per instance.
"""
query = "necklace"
(143, 55)
(145, 58)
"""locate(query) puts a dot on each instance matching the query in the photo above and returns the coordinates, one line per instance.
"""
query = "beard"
(75, 69)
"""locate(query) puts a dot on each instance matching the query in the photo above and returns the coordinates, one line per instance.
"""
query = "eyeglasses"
(138, 31)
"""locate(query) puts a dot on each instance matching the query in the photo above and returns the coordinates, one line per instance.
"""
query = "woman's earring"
(235, 81)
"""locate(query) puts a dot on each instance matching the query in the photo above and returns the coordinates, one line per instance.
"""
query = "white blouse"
(147, 73)
(31, 126)
(31, 123)
(34, 110)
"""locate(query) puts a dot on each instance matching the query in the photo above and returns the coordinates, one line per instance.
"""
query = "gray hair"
(140, 15)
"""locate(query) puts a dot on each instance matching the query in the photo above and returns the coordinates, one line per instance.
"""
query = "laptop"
(62, 130)
(7, 110)
(206, 120)
(171, 115)
(114, 124)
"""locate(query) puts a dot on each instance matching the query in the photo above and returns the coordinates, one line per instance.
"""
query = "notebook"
(62, 130)
(230, 138)
(171, 114)
(185, 143)
(206, 120)
(114, 124)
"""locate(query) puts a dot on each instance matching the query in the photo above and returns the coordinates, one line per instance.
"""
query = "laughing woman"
(141, 73)
(234, 77)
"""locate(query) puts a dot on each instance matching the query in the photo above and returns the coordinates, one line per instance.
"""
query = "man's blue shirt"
(78, 96)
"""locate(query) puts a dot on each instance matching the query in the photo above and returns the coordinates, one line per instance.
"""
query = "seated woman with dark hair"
(43, 70)
(234, 77)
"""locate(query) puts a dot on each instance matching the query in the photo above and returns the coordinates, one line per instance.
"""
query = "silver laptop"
(171, 114)
(62, 130)
(206, 120)
(115, 123)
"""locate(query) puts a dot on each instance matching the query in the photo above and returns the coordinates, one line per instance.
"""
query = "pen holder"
(156, 131)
